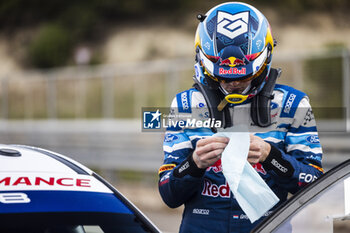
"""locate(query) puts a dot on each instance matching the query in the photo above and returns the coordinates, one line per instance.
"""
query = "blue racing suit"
(294, 160)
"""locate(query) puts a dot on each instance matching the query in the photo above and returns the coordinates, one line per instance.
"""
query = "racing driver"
(234, 85)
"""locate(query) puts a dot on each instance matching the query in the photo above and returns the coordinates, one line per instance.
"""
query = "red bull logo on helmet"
(232, 62)
(232, 70)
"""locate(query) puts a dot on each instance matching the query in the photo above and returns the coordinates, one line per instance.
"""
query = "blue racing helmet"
(234, 42)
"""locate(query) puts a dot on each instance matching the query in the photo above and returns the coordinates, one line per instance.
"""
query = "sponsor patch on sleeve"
(184, 101)
(166, 167)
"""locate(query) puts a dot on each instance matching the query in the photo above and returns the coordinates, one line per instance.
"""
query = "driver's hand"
(258, 150)
(209, 150)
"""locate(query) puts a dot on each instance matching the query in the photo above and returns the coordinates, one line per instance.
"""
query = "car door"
(322, 207)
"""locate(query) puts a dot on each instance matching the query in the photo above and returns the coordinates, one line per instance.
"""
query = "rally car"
(45, 192)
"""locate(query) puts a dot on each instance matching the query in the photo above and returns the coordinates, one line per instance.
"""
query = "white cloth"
(253, 195)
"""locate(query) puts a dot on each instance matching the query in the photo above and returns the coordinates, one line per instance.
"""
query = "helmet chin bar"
(233, 99)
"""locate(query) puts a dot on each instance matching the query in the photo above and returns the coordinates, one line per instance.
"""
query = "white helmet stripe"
(259, 61)
(209, 66)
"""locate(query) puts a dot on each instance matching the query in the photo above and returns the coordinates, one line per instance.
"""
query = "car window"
(326, 213)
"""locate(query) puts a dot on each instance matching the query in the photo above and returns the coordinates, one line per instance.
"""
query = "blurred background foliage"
(58, 28)
(51, 46)
(61, 25)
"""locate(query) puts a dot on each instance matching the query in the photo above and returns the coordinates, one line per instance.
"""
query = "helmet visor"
(233, 68)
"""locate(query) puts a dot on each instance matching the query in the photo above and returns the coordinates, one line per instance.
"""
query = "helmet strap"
(261, 104)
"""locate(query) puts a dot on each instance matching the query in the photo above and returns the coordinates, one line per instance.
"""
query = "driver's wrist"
(267, 151)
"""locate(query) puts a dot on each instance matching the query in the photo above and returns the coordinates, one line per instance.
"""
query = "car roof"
(31, 168)
(32, 159)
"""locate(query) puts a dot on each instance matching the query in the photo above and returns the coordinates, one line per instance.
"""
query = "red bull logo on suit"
(259, 168)
(213, 190)
(216, 167)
